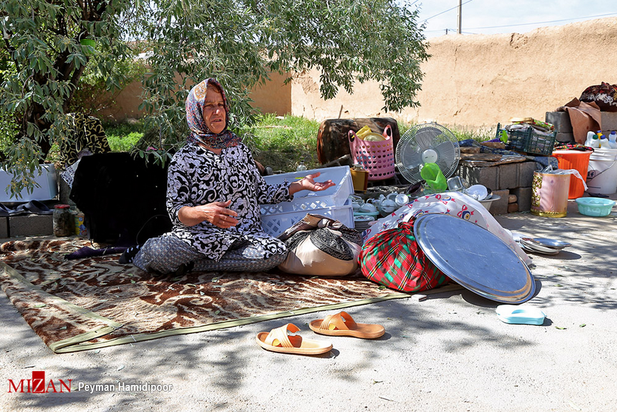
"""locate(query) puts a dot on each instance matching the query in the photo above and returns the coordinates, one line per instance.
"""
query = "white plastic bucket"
(602, 172)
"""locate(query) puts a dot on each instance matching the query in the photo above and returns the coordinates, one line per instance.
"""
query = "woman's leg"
(165, 254)
(168, 254)
(247, 258)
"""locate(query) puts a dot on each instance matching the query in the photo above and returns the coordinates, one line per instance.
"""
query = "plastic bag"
(576, 173)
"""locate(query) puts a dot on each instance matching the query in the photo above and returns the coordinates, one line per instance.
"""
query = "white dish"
(363, 218)
(478, 192)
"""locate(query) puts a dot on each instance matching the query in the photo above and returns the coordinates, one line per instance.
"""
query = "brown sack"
(584, 117)
(332, 142)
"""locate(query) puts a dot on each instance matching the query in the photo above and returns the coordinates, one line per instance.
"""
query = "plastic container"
(305, 200)
(275, 224)
(520, 315)
(528, 141)
(549, 194)
(359, 177)
(595, 142)
(63, 221)
(376, 157)
(574, 159)
(612, 138)
(589, 139)
(604, 143)
(602, 172)
(594, 206)
(80, 226)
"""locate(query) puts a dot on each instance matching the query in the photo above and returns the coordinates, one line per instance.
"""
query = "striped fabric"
(393, 259)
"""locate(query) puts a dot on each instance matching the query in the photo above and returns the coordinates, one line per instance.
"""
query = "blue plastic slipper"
(33, 206)
(520, 315)
(5, 211)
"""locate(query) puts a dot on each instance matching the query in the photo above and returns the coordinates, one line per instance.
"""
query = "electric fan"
(426, 143)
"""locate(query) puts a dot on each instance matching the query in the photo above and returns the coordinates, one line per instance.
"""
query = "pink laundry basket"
(377, 158)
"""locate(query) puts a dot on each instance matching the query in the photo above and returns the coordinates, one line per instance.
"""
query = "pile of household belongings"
(523, 124)
(391, 256)
(494, 153)
(585, 112)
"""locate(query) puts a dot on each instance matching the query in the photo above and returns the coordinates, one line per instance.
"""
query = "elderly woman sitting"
(214, 190)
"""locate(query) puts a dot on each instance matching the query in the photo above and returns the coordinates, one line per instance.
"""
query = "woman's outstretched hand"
(217, 213)
(308, 183)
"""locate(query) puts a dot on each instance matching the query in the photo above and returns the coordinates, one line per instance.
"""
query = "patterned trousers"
(166, 254)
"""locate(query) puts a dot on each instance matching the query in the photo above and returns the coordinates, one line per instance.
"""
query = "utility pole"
(460, 16)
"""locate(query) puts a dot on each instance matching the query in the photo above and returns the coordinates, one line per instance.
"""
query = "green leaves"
(42, 49)
(241, 42)
(66, 54)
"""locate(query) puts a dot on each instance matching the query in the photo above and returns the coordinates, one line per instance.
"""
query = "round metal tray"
(474, 258)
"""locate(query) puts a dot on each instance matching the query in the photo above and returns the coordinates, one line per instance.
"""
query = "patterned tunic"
(197, 176)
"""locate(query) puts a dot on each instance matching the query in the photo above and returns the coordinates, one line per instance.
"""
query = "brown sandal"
(342, 324)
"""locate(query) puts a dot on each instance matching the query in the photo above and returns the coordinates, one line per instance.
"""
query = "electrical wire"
(521, 24)
(445, 11)
(542, 22)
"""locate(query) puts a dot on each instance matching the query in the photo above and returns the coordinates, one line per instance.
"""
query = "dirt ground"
(448, 352)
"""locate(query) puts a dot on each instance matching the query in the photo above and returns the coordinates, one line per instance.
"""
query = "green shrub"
(8, 130)
(283, 142)
(123, 136)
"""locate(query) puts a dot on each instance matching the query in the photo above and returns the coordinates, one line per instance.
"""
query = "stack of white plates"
(542, 245)
(362, 222)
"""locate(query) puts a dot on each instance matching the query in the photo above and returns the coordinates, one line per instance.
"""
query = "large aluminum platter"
(474, 258)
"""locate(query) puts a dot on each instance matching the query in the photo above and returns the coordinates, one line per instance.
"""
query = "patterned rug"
(94, 302)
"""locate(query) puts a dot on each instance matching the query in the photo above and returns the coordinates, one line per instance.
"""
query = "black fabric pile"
(122, 197)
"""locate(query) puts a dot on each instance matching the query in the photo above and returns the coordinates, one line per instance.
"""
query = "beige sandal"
(278, 340)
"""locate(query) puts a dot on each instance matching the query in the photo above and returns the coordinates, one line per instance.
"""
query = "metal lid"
(474, 258)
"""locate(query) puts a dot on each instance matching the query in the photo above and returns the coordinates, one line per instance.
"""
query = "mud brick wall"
(512, 182)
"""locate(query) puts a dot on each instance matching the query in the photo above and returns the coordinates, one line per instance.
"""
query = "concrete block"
(4, 227)
(31, 225)
(525, 173)
(609, 121)
(512, 207)
(500, 207)
(523, 196)
(508, 176)
(565, 137)
(487, 176)
(561, 120)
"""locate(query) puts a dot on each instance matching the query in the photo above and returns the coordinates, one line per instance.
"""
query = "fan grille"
(426, 143)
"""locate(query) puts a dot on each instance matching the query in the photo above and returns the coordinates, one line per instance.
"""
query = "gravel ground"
(448, 352)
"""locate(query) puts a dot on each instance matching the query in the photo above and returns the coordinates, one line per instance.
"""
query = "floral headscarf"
(197, 125)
